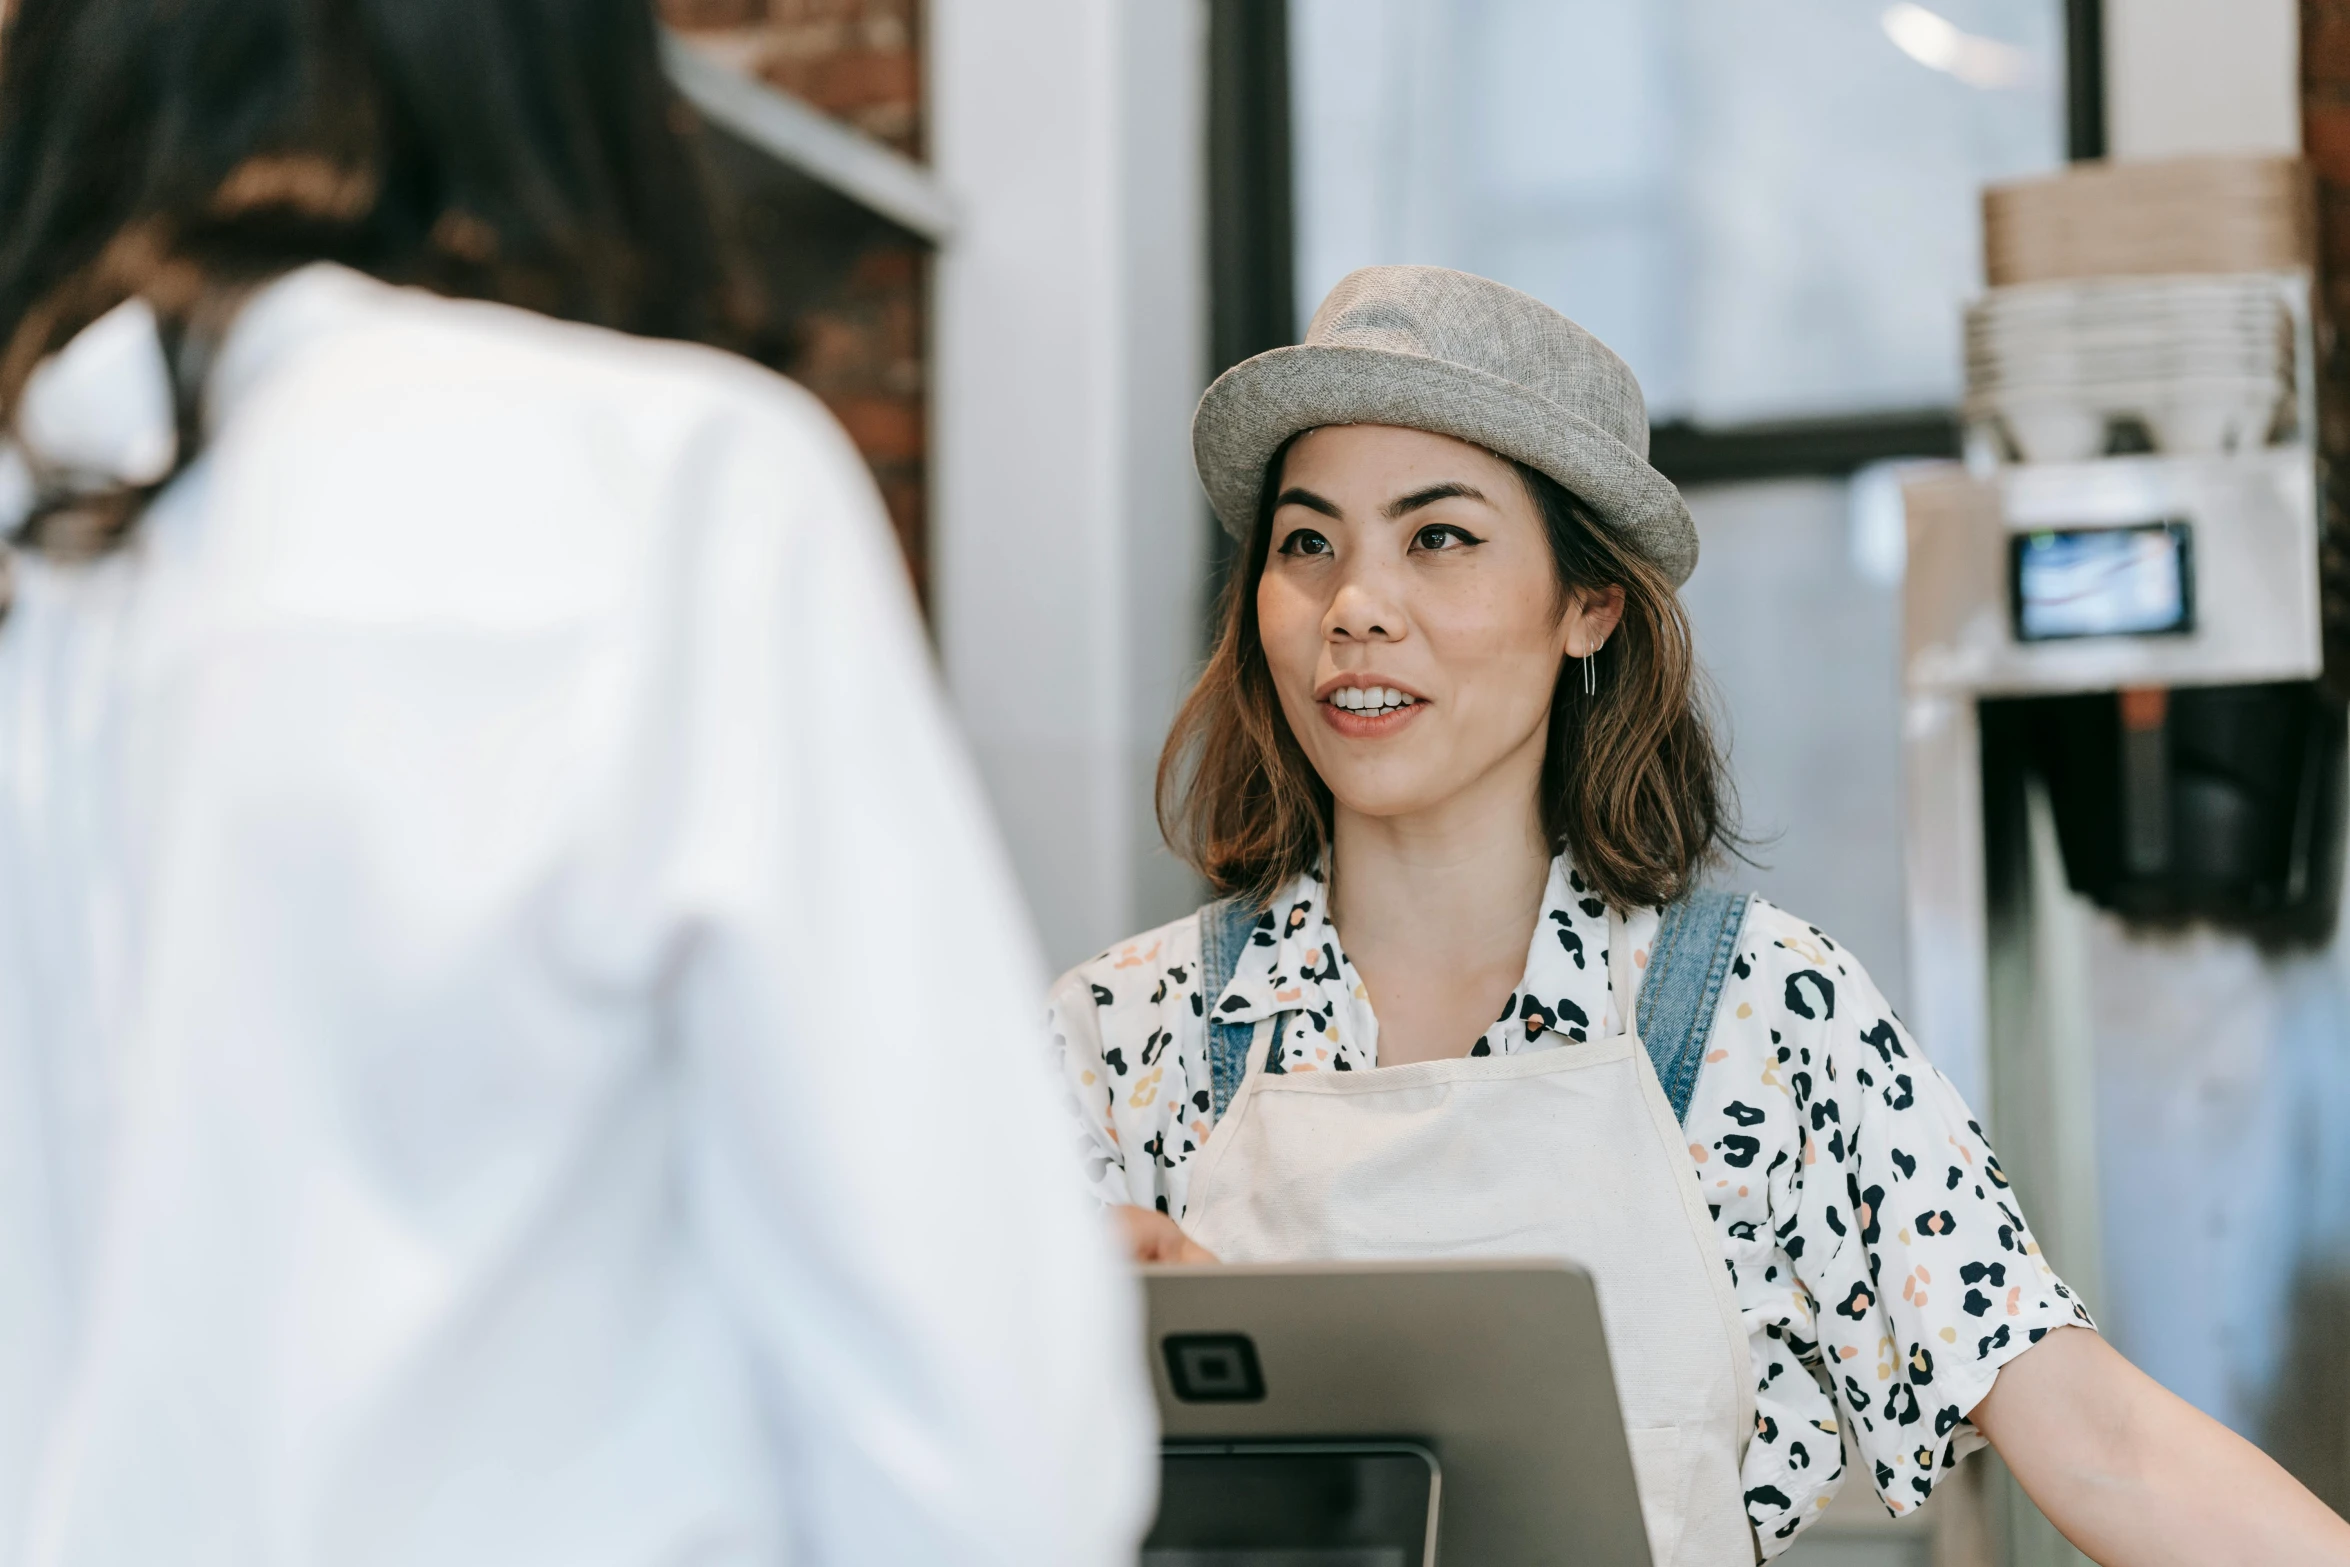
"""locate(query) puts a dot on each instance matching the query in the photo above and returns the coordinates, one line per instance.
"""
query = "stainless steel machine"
(2112, 740)
(2149, 573)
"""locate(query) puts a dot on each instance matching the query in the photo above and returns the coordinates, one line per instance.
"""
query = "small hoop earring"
(1590, 677)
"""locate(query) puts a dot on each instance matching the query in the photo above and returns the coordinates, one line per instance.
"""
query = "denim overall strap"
(1696, 942)
(1224, 928)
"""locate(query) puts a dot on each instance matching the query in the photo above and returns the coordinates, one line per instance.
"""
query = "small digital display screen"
(2104, 582)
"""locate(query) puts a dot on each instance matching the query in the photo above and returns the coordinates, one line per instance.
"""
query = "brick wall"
(2309, 1430)
(2325, 120)
(854, 328)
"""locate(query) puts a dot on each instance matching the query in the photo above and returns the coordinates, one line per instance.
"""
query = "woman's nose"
(1360, 612)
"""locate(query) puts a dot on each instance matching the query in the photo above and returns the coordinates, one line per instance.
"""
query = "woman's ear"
(1592, 618)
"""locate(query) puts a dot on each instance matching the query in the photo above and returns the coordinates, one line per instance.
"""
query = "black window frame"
(1252, 251)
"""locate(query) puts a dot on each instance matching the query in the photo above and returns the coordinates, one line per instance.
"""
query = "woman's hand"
(1153, 1237)
(2136, 1476)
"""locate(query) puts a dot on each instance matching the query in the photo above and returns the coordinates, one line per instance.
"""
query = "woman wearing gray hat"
(1453, 717)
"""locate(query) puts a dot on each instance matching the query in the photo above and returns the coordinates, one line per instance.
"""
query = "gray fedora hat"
(1429, 348)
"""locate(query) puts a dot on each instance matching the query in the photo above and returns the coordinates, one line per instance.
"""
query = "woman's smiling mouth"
(1365, 712)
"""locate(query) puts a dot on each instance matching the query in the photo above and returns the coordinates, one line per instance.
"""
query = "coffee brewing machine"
(2110, 654)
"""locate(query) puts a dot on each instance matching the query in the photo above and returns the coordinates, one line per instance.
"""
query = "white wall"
(2195, 76)
(1167, 525)
(1068, 533)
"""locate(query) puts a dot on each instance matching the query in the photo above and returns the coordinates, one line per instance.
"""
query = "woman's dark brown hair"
(526, 151)
(1634, 788)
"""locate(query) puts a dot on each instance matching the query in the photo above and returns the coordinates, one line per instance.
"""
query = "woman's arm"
(2136, 1476)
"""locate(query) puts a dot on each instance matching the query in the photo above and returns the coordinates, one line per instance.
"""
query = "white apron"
(1570, 1152)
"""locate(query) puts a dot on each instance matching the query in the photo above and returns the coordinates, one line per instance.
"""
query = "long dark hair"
(1634, 787)
(526, 151)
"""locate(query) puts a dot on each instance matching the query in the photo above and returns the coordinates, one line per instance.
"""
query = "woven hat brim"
(1262, 402)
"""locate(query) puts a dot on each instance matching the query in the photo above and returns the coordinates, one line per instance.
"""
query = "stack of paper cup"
(2203, 363)
(2180, 215)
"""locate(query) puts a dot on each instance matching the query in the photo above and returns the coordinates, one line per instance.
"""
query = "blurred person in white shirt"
(471, 788)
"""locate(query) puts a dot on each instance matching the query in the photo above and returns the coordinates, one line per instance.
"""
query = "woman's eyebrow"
(1430, 496)
(1295, 496)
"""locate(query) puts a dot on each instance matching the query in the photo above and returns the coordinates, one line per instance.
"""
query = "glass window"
(1769, 207)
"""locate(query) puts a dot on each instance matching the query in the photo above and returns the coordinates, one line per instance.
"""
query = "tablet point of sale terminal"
(1379, 1414)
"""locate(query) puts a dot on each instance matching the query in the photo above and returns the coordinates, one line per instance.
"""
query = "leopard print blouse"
(1880, 1260)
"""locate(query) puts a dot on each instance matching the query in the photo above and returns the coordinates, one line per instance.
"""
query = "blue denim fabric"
(1224, 929)
(1696, 942)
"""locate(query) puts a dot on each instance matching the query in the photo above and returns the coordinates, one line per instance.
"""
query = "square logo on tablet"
(1214, 1368)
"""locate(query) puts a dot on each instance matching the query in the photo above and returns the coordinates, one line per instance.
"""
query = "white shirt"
(465, 1091)
(1877, 1255)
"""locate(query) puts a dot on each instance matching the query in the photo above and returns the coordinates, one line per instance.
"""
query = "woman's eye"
(1443, 536)
(1305, 541)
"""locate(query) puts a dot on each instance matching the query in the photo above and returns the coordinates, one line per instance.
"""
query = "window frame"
(1252, 243)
